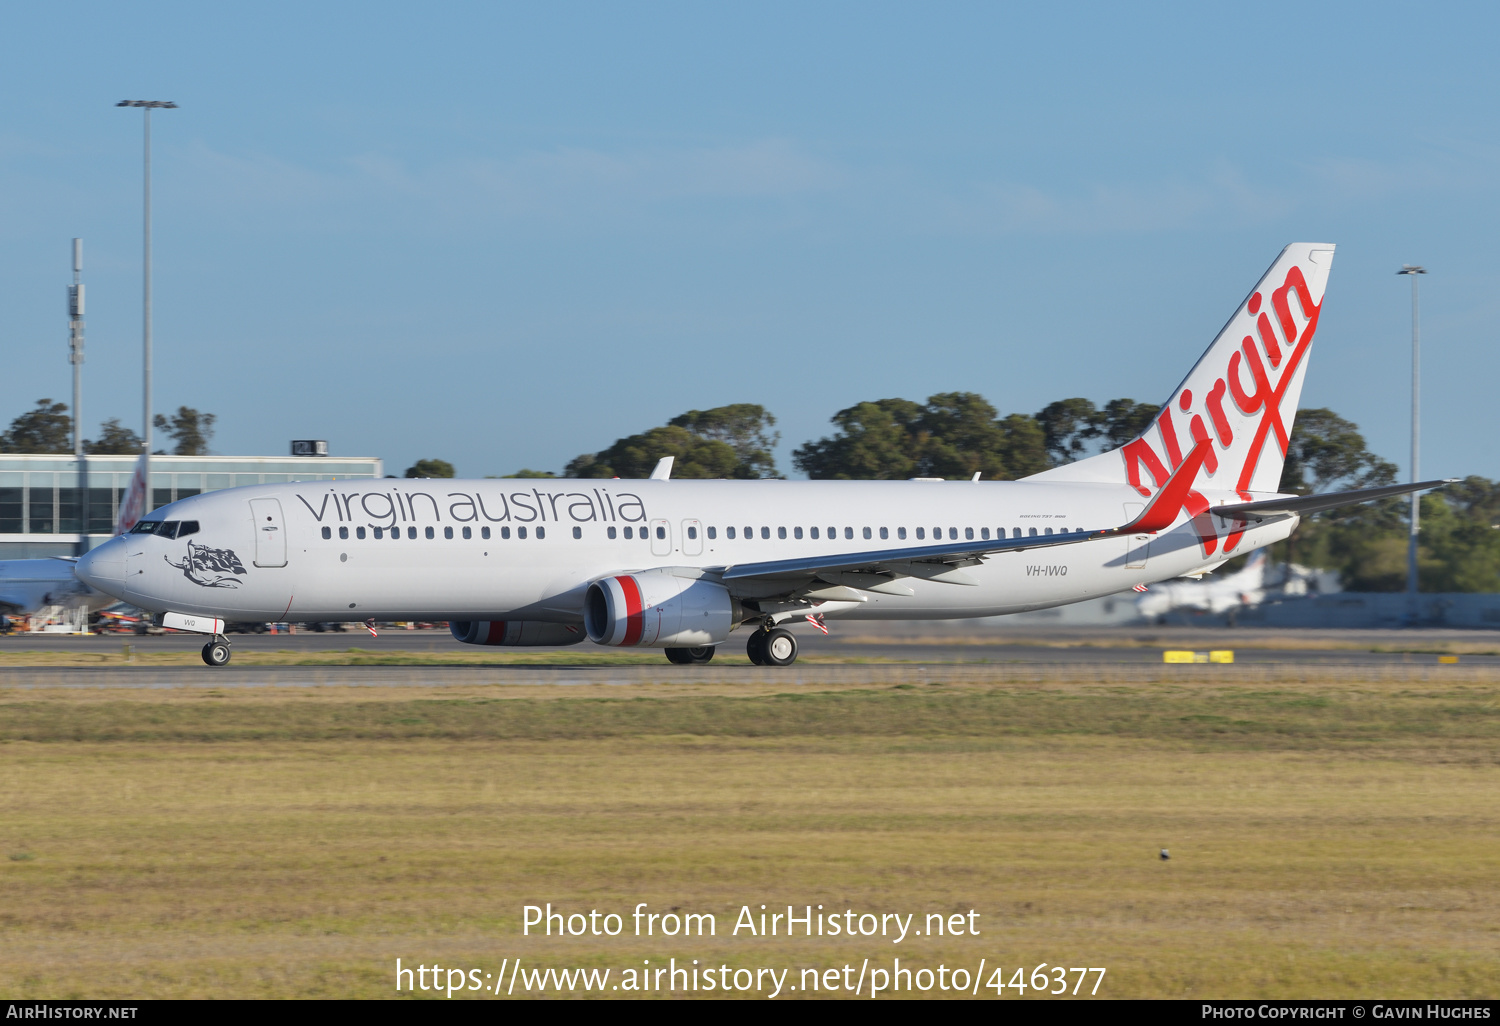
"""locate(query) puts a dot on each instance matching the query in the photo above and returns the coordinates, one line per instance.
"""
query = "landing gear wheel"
(216, 652)
(779, 648)
(755, 648)
(690, 656)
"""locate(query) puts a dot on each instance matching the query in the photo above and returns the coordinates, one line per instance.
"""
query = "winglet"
(1164, 506)
(663, 471)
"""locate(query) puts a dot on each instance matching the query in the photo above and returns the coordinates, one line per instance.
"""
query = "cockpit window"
(165, 528)
(188, 527)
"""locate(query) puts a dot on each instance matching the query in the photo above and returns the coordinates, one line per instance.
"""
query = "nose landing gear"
(216, 652)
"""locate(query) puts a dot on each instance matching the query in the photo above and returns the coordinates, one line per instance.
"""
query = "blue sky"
(504, 235)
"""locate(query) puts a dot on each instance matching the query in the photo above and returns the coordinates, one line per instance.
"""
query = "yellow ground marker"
(1447, 659)
(1222, 655)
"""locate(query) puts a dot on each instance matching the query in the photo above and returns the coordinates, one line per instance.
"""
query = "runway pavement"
(854, 653)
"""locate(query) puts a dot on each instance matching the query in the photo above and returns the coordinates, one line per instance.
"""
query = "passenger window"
(541, 532)
(395, 533)
(813, 531)
(430, 534)
(796, 532)
(833, 532)
(191, 527)
(968, 534)
(468, 533)
(610, 532)
(1049, 530)
(866, 532)
(765, 533)
(781, 533)
(411, 533)
(713, 532)
(849, 533)
(520, 532)
(448, 532)
(661, 532)
(359, 532)
(379, 532)
(984, 533)
(327, 533)
(577, 532)
(343, 533)
(692, 531)
(484, 532)
(937, 534)
(1015, 532)
(729, 533)
(1032, 532)
(901, 533)
(921, 533)
(884, 534)
(953, 534)
(628, 533)
(749, 533)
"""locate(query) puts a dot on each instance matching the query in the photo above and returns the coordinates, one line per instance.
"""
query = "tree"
(46, 429)
(745, 427)
(430, 468)
(1460, 540)
(1067, 427)
(114, 440)
(954, 434)
(729, 441)
(1327, 452)
(527, 473)
(873, 442)
(1122, 420)
(189, 428)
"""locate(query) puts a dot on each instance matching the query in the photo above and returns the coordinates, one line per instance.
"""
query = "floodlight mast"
(147, 106)
(1416, 440)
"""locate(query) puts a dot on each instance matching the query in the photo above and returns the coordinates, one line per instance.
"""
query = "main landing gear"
(689, 656)
(774, 647)
(216, 652)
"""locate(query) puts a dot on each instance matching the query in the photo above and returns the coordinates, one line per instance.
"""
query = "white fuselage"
(454, 550)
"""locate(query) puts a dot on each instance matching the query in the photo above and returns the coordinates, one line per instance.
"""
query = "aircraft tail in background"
(1242, 394)
(133, 502)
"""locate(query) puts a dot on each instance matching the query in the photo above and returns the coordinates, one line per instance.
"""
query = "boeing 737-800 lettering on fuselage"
(679, 565)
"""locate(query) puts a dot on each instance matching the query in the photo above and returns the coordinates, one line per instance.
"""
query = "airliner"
(681, 565)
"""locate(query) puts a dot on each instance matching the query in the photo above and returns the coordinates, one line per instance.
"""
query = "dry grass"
(1328, 839)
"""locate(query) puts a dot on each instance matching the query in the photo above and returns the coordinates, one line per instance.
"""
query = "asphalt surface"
(903, 652)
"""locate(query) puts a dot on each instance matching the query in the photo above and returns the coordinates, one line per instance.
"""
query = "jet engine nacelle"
(658, 609)
(514, 632)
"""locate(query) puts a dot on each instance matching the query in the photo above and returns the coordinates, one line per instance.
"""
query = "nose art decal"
(210, 568)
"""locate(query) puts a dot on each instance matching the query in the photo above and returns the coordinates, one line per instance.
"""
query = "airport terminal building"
(45, 500)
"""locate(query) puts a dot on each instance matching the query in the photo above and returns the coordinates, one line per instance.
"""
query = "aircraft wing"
(929, 561)
(1303, 504)
(942, 562)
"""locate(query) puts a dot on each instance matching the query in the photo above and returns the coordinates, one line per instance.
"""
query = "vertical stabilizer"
(1241, 395)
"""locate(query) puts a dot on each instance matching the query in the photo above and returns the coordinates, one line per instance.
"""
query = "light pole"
(147, 107)
(1416, 438)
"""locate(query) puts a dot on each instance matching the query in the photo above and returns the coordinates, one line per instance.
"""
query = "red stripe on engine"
(496, 633)
(633, 623)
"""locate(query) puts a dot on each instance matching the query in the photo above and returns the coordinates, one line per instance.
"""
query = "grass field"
(1329, 837)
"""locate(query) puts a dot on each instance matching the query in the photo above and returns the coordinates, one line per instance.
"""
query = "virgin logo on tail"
(1243, 403)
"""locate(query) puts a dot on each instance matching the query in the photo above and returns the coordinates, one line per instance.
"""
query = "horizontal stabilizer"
(1304, 504)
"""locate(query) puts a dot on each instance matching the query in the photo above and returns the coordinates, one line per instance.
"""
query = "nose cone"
(103, 569)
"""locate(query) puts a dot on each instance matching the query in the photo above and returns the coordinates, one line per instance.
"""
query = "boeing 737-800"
(679, 565)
